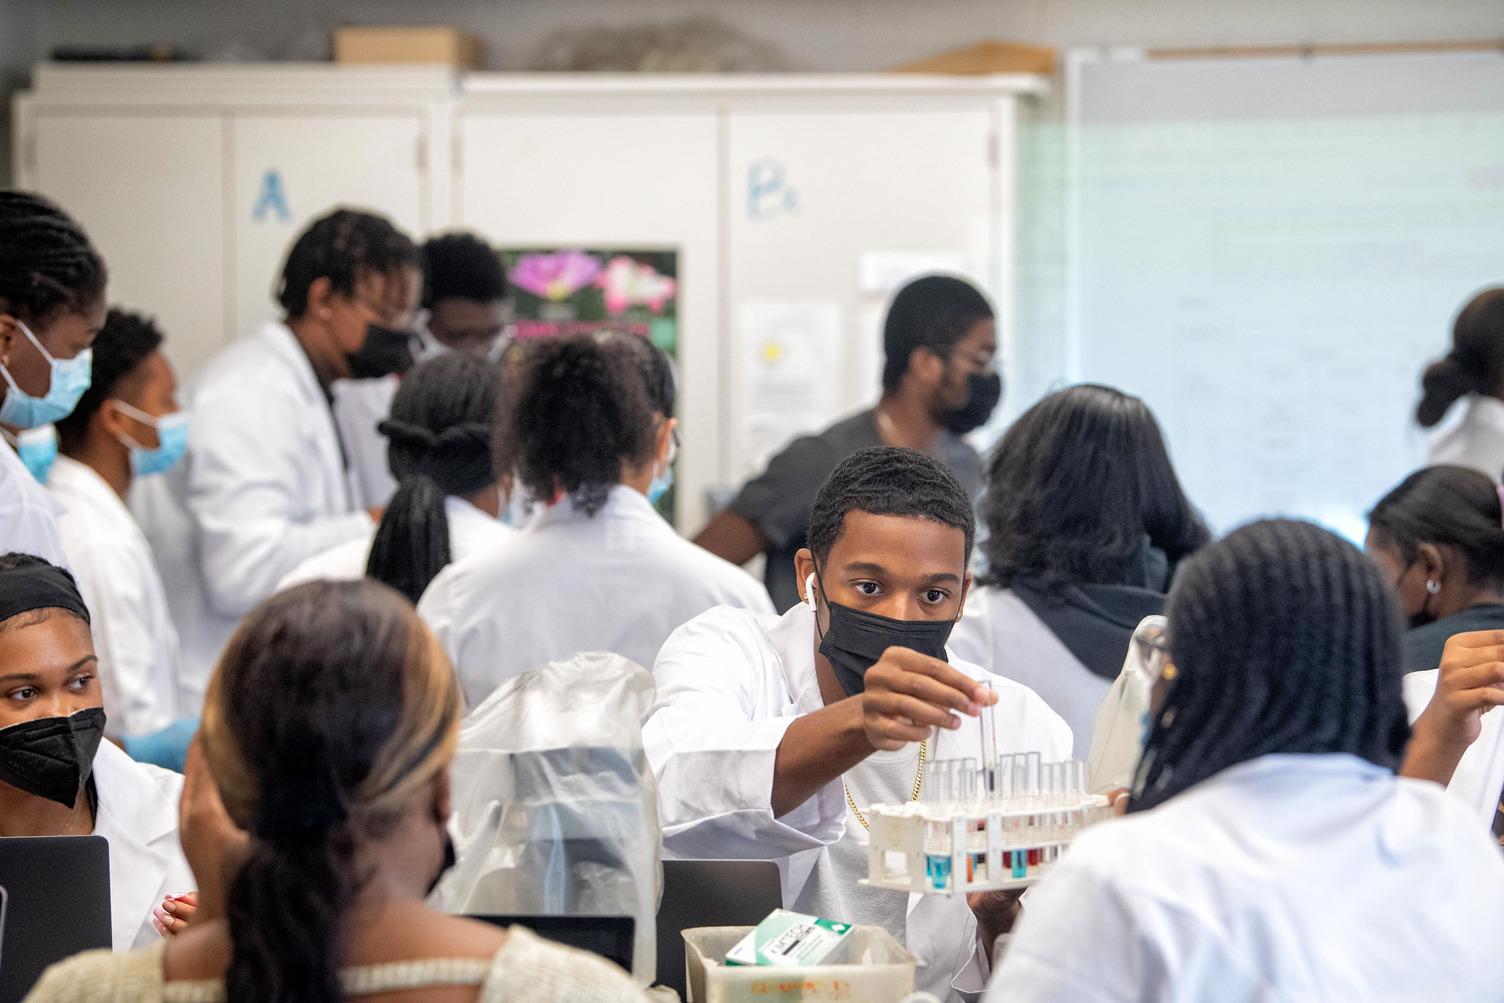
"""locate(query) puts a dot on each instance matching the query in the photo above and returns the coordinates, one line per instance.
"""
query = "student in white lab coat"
(1439, 537)
(589, 432)
(52, 304)
(57, 777)
(1085, 523)
(1270, 851)
(771, 736)
(265, 484)
(1473, 372)
(449, 503)
(464, 310)
(128, 424)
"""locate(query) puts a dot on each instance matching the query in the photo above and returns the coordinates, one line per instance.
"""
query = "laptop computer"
(57, 904)
(710, 893)
(611, 937)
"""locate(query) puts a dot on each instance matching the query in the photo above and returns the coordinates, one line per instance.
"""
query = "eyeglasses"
(1151, 644)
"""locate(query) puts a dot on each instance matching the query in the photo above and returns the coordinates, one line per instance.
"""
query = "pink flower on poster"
(626, 283)
(555, 276)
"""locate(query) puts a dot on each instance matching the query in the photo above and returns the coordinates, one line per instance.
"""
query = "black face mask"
(52, 757)
(855, 640)
(386, 350)
(986, 389)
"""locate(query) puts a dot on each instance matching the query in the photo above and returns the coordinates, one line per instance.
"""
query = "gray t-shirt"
(778, 501)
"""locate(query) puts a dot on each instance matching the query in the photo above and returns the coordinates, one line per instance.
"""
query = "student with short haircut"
(126, 425)
(772, 736)
(940, 381)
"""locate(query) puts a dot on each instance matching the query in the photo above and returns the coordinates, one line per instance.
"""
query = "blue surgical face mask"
(172, 441)
(37, 449)
(69, 380)
(665, 480)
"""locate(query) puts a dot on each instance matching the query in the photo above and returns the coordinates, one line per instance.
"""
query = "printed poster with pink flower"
(571, 290)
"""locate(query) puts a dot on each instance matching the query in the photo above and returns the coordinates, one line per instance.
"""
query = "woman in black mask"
(328, 731)
(57, 778)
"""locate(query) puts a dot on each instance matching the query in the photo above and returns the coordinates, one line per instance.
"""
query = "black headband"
(39, 586)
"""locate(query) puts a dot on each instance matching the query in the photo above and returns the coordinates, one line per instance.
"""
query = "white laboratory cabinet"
(795, 203)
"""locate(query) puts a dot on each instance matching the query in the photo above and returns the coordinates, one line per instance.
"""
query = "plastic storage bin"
(877, 970)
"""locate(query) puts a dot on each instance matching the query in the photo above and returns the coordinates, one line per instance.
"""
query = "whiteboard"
(1269, 250)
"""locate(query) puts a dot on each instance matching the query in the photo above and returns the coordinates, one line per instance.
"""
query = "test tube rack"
(977, 832)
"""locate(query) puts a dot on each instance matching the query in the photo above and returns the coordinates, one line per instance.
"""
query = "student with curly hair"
(589, 433)
(52, 305)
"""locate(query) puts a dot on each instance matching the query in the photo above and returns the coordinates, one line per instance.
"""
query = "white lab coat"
(28, 514)
(1306, 877)
(138, 817)
(262, 489)
(619, 581)
(999, 632)
(730, 682)
(1479, 778)
(359, 406)
(471, 532)
(1475, 440)
(134, 635)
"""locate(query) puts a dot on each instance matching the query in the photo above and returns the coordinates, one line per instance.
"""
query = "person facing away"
(1085, 522)
(57, 776)
(464, 309)
(772, 736)
(126, 425)
(52, 305)
(1269, 849)
(590, 432)
(940, 381)
(1439, 537)
(315, 819)
(449, 503)
(1473, 371)
(265, 483)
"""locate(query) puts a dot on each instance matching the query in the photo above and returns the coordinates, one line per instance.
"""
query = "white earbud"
(809, 591)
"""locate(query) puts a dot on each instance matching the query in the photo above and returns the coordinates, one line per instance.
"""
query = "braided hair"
(1286, 640)
(344, 247)
(46, 260)
(439, 444)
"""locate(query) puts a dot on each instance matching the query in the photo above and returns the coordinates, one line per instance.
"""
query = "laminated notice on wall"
(789, 370)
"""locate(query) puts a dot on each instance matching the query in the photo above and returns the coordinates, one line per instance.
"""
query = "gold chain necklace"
(918, 784)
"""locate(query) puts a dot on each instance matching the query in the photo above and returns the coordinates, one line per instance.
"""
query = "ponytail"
(286, 910)
(1474, 365)
(412, 541)
(439, 439)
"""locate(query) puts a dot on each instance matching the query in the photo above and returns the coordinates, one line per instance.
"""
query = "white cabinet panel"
(829, 210)
(624, 180)
(289, 169)
(149, 191)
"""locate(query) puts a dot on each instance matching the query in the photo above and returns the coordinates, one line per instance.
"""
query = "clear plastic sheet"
(555, 807)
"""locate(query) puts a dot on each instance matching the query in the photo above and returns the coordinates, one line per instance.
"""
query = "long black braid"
(46, 260)
(1285, 639)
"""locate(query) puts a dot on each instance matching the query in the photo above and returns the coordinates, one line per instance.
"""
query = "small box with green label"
(792, 939)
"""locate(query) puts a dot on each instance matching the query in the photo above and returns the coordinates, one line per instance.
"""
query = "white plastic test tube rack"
(971, 832)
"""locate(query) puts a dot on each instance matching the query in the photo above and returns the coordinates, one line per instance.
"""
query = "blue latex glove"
(166, 748)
